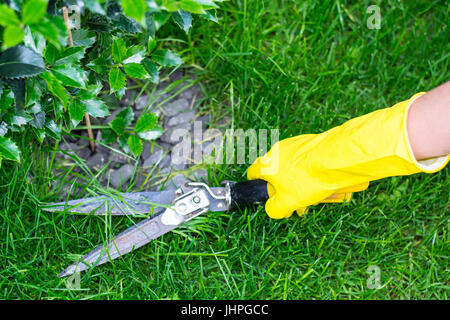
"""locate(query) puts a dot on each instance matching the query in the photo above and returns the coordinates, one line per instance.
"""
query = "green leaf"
(96, 108)
(3, 128)
(151, 28)
(52, 129)
(99, 65)
(9, 149)
(18, 87)
(151, 134)
(151, 45)
(135, 70)
(151, 69)
(135, 54)
(119, 50)
(50, 29)
(59, 108)
(120, 93)
(166, 58)
(134, 9)
(159, 18)
(33, 11)
(146, 122)
(183, 19)
(135, 145)
(72, 76)
(58, 23)
(108, 136)
(35, 41)
(123, 143)
(118, 125)
(210, 15)
(50, 54)
(117, 80)
(127, 114)
(12, 35)
(34, 88)
(40, 134)
(94, 6)
(192, 6)
(6, 100)
(20, 62)
(82, 37)
(38, 120)
(56, 88)
(77, 110)
(111, 101)
(170, 5)
(8, 16)
(19, 119)
(70, 55)
(90, 92)
(127, 25)
(208, 4)
(98, 23)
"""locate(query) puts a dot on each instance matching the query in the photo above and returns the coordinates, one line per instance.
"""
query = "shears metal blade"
(167, 210)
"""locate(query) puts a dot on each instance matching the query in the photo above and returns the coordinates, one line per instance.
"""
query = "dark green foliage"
(114, 41)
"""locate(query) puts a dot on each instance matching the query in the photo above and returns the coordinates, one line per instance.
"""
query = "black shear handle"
(249, 192)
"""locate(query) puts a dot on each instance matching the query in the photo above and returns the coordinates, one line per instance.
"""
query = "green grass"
(302, 68)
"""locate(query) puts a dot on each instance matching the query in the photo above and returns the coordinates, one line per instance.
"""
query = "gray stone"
(199, 175)
(172, 135)
(84, 141)
(205, 120)
(176, 75)
(85, 151)
(153, 158)
(165, 171)
(159, 97)
(181, 155)
(97, 160)
(164, 145)
(69, 138)
(112, 115)
(146, 151)
(180, 118)
(175, 107)
(175, 182)
(98, 136)
(187, 94)
(117, 157)
(122, 175)
(141, 103)
(70, 148)
(165, 162)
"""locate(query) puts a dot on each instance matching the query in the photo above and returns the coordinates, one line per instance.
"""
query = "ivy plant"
(47, 85)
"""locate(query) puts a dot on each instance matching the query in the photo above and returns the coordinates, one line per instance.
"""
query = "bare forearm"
(429, 123)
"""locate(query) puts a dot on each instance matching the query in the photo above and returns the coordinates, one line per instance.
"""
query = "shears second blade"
(132, 238)
(137, 203)
(168, 210)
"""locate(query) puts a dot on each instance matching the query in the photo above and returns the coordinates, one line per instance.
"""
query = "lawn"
(300, 67)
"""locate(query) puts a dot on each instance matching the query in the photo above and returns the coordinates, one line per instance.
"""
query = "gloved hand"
(308, 169)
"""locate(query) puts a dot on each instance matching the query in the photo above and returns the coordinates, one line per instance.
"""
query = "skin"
(428, 123)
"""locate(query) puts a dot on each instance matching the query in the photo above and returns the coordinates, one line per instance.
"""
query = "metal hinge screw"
(196, 200)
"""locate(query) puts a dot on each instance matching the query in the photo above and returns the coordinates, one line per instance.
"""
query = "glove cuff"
(427, 165)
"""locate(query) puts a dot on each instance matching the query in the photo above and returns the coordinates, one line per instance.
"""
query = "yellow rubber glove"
(308, 169)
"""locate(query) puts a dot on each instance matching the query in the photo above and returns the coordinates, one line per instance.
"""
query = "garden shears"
(168, 210)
